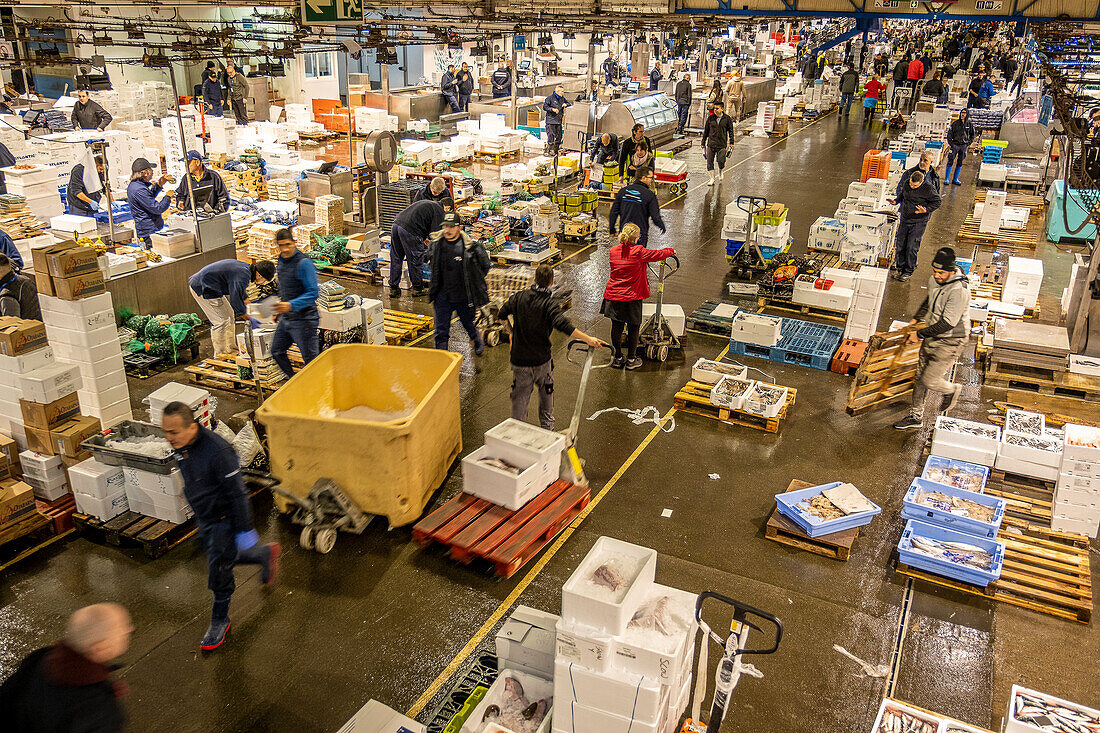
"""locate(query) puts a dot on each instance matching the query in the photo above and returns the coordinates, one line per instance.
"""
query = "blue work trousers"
(219, 542)
(410, 248)
(444, 309)
(301, 331)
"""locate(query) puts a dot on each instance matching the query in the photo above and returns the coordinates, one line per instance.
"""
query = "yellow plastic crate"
(773, 214)
(389, 468)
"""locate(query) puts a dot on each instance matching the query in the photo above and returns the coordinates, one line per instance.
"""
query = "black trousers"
(240, 111)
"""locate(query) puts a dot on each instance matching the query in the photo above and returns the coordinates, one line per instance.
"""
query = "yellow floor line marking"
(582, 249)
(31, 550)
(508, 602)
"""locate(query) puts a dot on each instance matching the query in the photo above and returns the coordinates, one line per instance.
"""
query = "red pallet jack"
(731, 665)
(476, 529)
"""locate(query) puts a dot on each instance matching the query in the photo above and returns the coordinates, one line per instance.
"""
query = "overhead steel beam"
(738, 12)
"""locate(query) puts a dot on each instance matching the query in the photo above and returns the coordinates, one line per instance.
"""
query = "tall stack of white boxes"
(625, 645)
(84, 333)
(23, 350)
(1077, 494)
(1022, 282)
(38, 185)
(175, 146)
(868, 290)
(223, 136)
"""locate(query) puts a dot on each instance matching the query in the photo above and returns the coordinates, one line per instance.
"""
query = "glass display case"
(656, 111)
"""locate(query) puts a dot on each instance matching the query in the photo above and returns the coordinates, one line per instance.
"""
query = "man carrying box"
(214, 487)
(297, 306)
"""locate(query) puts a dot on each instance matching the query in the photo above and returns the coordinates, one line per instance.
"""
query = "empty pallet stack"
(1025, 351)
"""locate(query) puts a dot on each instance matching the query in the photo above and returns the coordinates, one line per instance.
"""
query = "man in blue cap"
(212, 93)
(202, 177)
(144, 207)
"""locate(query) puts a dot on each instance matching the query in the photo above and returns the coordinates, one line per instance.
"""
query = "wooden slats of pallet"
(130, 529)
(354, 273)
(402, 327)
(1006, 238)
(694, 398)
(789, 306)
(1036, 204)
(885, 375)
(1043, 381)
(837, 545)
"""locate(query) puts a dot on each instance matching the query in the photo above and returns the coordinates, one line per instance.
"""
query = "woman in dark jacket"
(959, 137)
(627, 287)
(934, 88)
(715, 96)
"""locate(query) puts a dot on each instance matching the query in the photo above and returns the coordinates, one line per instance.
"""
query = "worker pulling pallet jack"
(656, 335)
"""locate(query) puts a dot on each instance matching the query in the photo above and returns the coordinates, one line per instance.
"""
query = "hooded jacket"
(945, 308)
(849, 80)
(475, 265)
(683, 92)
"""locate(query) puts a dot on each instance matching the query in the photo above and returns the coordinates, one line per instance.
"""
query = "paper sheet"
(848, 499)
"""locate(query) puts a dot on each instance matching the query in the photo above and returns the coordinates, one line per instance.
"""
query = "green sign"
(332, 12)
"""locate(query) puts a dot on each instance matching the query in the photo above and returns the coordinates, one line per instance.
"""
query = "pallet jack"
(572, 467)
(730, 666)
(749, 262)
(656, 335)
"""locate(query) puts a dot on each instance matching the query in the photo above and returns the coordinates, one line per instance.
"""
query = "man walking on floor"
(941, 341)
(636, 204)
(535, 314)
(297, 306)
(683, 103)
(459, 267)
(849, 81)
(214, 487)
(917, 198)
(718, 132)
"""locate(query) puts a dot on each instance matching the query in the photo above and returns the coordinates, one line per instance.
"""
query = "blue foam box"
(787, 503)
(941, 516)
(979, 472)
(955, 571)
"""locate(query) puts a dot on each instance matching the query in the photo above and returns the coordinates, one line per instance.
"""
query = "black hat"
(450, 219)
(141, 164)
(944, 259)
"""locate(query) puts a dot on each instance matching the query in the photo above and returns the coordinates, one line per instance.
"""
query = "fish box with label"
(954, 508)
(952, 554)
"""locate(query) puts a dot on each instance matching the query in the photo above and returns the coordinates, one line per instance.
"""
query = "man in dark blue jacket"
(465, 81)
(636, 204)
(81, 201)
(409, 241)
(214, 487)
(8, 248)
(219, 288)
(212, 93)
(554, 108)
(502, 81)
(655, 77)
(202, 177)
(917, 200)
(449, 86)
(610, 70)
(297, 306)
(142, 195)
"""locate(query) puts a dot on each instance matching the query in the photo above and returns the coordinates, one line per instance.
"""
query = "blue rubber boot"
(947, 175)
(215, 635)
(957, 182)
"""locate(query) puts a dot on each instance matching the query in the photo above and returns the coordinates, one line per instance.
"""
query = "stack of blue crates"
(801, 342)
(535, 244)
(992, 153)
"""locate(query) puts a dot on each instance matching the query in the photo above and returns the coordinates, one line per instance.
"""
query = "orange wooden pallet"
(476, 529)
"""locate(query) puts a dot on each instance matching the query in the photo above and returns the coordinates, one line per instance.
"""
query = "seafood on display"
(1083, 436)
(500, 465)
(719, 367)
(768, 395)
(955, 505)
(1048, 715)
(960, 478)
(732, 388)
(515, 711)
(967, 427)
(820, 507)
(1029, 423)
(959, 553)
(1038, 442)
(609, 575)
(896, 720)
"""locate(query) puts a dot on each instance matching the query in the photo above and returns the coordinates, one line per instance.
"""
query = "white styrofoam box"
(106, 382)
(673, 313)
(41, 465)
(1012, 725)
(1081, 442)
(527, 640)
(1024, 273)
(1077, 504)
(89, 355)
(170, 508)
(577, 718)
(835, 298)
(841, 278)
(703, 371)
(522, 443)
(501, 487)
(981, 456)
(96, 479)
(756, 406)
(615, 692)
(343, 320)
(1073, 482)
(969, 433)
(583, 645)
(934, 720)
(49, 383)
(659, 655)
(863, 318)
(371, 312)
(154, 483)
(756, 328)
(1078, 467)
(375, 335)
(70, 223)
(534, 689)
(1026, 468)
(102, 508)
(1032, 448)
(587, 603)
(96, 401)
(83, 338)
(50, 488)
(1061, 523)
(856, 189)
(26, 362)
(374, 717)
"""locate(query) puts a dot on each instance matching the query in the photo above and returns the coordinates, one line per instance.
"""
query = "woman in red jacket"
(871, 92)
(627, 287)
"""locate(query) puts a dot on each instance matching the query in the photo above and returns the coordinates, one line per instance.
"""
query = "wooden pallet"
(848, 357)
(220, 374)
(678, 146)
(763, 304)
(130, 529)
(1036, 204)
(694, 398)
(354, 273)
(1004, 239)
(477, 530)
(702, 320)
(485, 156)
(402, 327)
(1043, 381)
(885, 375)
(837, 545)
(1039, 574)
(504, 257)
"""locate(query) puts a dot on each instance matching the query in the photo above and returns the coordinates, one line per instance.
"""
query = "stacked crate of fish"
(625, 645)
(1030, 711)
(1077, 495)
(965, 440)
(516, 464)
(1028, 447)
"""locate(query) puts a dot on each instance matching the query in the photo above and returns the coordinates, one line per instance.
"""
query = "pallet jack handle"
(751, 202)
(741, 614)
(572, 469)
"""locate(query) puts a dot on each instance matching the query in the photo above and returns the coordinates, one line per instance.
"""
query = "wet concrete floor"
(381, 618)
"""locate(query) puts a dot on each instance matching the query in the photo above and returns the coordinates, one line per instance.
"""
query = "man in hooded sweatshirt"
(944, 310)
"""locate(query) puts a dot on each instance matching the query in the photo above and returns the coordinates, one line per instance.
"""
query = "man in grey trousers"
(941, 341)
(535, 313)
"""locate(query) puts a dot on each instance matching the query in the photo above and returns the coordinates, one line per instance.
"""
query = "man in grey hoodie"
(941, 341)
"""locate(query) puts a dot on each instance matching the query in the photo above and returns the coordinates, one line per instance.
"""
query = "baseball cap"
(193, 155)
(141, 164)
(450, 219)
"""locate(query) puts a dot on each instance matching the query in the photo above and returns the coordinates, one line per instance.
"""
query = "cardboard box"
(67, 437)
(18, 335)
(51, 490)
(79, 286)
(70, 261)
(10, 450)
(38, 440)
(43, 283)
(41, 255)
(526, 641)
(16, 501)
(45, 416)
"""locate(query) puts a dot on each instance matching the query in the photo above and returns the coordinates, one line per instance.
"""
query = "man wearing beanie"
(944, 310)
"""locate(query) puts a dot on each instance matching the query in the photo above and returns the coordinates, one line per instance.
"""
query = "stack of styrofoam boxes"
(45, 474)
(99, 489)
(374, 322)
(299, 114)
(38, 185)
(199, 400)
(1027, 713)
(614, 672)
(765, 116)
(774, 236)
(176, 147)
(735, 224)
(1077, 494)
(123, 148)
(84, 333)
(1025, 276)
(147, 138)
(826, 234)
(14, 138)
(1029, 447)
(158, 495)
(863, 238)
(23, 350)
(941, 121)
(868, 288)
(965, 440)
(223, 135)
(756, 328)
(838, 297)
(533, 450)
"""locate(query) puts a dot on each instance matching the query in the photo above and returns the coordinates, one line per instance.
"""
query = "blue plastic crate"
(933, 144)
(943, 517)
(801, 343)
(979, 474)
(955, 571)
(898, 155)
(813, 526)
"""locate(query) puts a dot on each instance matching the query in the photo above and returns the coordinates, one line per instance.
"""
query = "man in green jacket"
(238, 90)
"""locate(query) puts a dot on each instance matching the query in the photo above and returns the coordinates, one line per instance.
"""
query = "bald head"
(100, 632)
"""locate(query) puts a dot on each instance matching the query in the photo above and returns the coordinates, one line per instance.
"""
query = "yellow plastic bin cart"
(382, 422)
